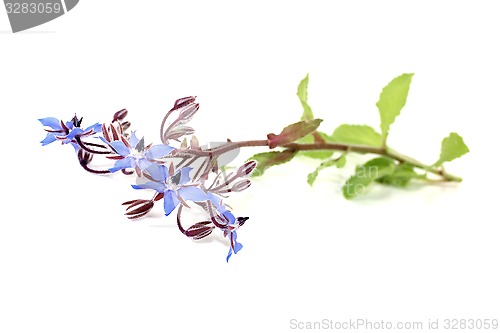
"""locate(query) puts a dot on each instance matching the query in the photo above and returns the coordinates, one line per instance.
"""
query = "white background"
(71, 262)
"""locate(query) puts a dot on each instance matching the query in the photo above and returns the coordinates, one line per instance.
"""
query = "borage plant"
(187, 175)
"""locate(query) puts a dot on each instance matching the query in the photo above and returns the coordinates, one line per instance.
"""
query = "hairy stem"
(382, 151)
(84, 146)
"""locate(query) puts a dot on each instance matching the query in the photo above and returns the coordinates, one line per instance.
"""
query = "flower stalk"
(322, 146)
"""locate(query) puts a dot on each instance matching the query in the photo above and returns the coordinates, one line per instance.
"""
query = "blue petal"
(96, 127)
(52, 122)
(229, 216)
(170, 201)
(143, 163)
(127, 162)
(158, 151)
(185, 176)
(157, 172)
(158, 187)
(237, 247)
(120, 148)
(133, 140)
(48, 139)
(74, 132)
(192, 193)
(70, 125)
(217, 203)
(165, 173)
(104, 140)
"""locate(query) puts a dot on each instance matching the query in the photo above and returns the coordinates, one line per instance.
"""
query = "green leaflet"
(452, 147)
(357, 134)
(293, 132)
(366, 174)
(302, 94)
(392, 100)
(269, 159)
(338, 162)
(401, 176)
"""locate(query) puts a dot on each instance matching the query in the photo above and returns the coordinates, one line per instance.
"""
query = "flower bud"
(120, 115)
(183, 102)
(241, 185)
(200, 230)
(246, 168)
(125, 125)
(188, 111)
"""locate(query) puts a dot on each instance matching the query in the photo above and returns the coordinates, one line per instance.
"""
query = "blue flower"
(175, 187)
(220, 217)
(227, 223)
(133, 154)
(230, 232)
(68, 132)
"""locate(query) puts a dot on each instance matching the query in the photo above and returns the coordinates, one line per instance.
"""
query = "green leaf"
(452, 147)
(302, 93)
(392, 100)
(269, 159)
(357, 134)
(401, 176)
(366, 174)
(318, 154)
(293, 132)
(339, 162)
